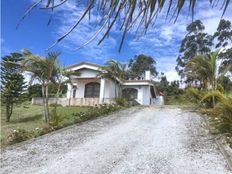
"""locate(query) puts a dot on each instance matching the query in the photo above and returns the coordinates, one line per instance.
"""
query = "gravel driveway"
(137, 140)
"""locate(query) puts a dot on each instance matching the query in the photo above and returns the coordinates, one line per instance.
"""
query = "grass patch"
(30, 117)
(180, 100)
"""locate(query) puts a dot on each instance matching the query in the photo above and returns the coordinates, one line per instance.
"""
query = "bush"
(96, 112)
(55, 119)
(18, 135)
(194, 95)
(225, 127)
(122, 102)
(44, 129)
(55, 105)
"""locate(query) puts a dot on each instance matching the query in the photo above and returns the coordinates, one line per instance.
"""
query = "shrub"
(194, 95)
(55, 120)
(55, 105)
(225, 127)
(95, 112)
(18, 135)
(122, 102)
(45, 128)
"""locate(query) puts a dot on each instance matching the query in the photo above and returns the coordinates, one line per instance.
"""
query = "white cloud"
(83, 33)
(162, 41)
(172, 75)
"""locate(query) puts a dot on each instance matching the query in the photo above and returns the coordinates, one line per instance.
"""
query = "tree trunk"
(214, 88)
(44, 104)
(46, 97)
(9, 109)
(58, 93)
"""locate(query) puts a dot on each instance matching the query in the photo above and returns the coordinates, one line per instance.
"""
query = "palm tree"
(204, 68)
(65, 76)
(115, 71)
(45, 70)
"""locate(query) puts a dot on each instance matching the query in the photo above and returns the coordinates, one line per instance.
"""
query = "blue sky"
(162, 41)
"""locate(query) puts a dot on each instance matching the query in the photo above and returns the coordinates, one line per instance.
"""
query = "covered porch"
(89, 91)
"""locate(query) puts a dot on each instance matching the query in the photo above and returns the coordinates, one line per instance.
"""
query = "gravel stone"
(138, 140)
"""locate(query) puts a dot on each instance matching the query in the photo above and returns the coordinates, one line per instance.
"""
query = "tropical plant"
(64, 77)
(139, 14)
(194, 95)
(204, 69)
(115, 71)
(224, 104)
(44, 70)
(12, 82)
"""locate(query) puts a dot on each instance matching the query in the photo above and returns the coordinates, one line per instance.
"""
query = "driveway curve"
(138, 140)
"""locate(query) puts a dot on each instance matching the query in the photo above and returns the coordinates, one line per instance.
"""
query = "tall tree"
(127, 14)
(223, 35)
(12, 82)
(45, 70)
(196, 42)
(139, 64)
(223, 39)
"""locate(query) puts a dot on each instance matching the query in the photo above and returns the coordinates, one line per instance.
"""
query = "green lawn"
(29, 117)
(178, 100)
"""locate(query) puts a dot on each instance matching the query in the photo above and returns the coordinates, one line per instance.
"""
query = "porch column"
(69, 90)
(102, 91)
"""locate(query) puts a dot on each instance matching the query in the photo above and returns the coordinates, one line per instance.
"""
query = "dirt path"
(144, 141)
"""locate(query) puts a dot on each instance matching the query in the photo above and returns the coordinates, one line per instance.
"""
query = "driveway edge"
(221, 143)
(66, 128)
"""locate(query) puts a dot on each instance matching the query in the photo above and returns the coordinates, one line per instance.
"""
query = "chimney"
(148, 75)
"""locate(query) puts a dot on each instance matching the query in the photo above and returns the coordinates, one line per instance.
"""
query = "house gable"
(86, 70)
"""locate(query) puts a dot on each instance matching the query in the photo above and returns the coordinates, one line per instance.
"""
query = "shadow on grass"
(28, 119)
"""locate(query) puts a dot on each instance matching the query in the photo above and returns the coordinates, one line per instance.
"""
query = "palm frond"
(128, 14)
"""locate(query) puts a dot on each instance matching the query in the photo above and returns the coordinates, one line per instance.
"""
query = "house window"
(92, 90)
(130, 93)
(74, 93)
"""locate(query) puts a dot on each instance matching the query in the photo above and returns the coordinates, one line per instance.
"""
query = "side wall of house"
(144, 95)
(110, 89)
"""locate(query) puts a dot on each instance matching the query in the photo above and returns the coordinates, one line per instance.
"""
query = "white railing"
(72, 101)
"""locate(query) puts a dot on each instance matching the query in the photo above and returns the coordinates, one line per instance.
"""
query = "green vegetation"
(12, 82)
(27, 121)
(139, 64)
(45, 70)
(35, 90)
(29, 118)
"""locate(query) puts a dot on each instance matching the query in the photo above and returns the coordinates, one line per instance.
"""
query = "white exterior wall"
(88, 73)
(146, 95)
(79, 85)
(143, 93)
(110, 89)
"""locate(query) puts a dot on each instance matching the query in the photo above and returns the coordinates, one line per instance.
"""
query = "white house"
(89, 88)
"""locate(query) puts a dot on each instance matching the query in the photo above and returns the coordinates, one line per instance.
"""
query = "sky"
(162, 41)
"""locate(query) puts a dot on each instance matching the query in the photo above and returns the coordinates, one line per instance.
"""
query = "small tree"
(45, 70)
(12, 82)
